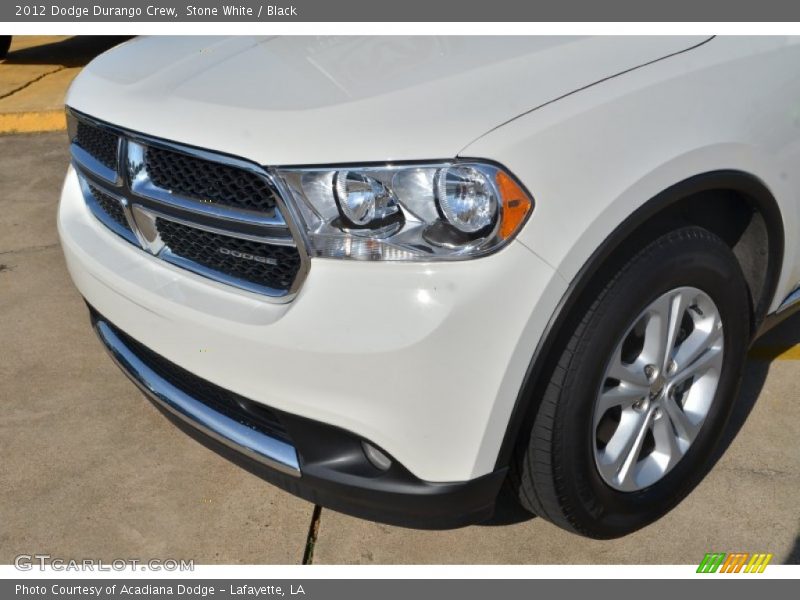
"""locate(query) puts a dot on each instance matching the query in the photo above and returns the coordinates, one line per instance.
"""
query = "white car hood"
(313, 100)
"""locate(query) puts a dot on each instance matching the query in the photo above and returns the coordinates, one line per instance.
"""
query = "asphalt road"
(91, 469)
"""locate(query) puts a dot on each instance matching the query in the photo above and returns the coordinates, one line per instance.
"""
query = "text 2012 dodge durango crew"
(392, 274)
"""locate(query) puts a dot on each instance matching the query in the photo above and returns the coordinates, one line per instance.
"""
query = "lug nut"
(673, 366)
(650, 371)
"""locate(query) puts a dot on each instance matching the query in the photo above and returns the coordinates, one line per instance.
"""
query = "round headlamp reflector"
(466, 198)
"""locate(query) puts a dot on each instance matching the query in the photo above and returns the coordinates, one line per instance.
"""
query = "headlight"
(362, 199)
(418, 212)
(466, 198)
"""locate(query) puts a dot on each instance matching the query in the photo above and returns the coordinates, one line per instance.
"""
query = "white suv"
(389, 274)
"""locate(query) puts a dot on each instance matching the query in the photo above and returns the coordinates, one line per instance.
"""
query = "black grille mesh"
(208, 249)
(110, 206)
(100, 143)
(208, 181)
(239, 408)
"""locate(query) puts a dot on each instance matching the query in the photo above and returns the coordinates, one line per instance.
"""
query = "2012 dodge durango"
(391, 275)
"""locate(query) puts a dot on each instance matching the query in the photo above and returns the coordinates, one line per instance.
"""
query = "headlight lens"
(362, 199)
(444, 211)
(467, 200)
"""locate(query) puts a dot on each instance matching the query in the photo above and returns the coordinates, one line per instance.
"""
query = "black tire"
(553, 472)
(5, 44)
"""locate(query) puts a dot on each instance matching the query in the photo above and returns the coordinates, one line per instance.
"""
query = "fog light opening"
(378, 459)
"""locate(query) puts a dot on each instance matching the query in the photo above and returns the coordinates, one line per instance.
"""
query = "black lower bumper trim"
(334, 471)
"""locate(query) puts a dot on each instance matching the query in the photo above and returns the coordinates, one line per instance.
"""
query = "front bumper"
(335, 470)
(424, 361)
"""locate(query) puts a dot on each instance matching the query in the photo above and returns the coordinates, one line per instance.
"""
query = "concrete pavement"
(36, 74)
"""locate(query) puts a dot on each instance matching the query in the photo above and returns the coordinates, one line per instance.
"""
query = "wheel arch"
(752, 218)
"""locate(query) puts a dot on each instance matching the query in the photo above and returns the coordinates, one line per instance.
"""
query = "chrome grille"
(262, 264)
(215, 215)
(100, 143)
(110, 206)
(208, 181)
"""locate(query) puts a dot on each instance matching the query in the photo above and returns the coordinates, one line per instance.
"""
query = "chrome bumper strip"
(267, 450)
(90, 163)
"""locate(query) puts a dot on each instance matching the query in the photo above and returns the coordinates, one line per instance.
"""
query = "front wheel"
(642, 390)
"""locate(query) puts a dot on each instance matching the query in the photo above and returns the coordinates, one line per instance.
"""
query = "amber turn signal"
(516, 205)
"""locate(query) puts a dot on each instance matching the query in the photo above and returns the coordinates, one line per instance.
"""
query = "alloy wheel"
(658, 387)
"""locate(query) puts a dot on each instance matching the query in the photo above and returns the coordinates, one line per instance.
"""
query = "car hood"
(312, 100)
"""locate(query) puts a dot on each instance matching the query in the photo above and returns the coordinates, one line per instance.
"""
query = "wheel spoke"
(625, 474)
(624, 395)
(705, 337)
(679, 420)
(663, 326)
(655, 332)
(632, 374)
(710, 358)
(623, 449)
(677, 307)
(667, 443)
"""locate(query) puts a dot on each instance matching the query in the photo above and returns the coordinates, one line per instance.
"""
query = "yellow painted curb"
(32, 122)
